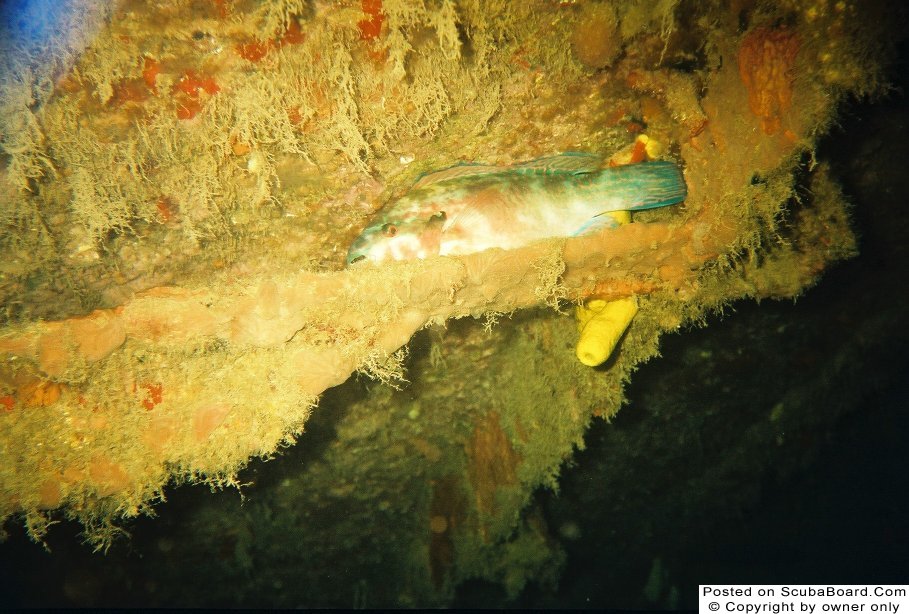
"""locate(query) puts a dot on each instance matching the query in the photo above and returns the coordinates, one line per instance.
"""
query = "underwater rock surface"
(175, 304)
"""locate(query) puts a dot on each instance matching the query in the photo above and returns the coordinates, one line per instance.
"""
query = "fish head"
(398, 239)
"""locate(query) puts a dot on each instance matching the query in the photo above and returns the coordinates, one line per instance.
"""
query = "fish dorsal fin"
(569, 163)
(458, 171)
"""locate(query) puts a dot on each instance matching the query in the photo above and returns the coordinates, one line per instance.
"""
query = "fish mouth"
(359, 249)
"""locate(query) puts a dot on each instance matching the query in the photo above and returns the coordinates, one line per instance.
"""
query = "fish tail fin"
(645, 185)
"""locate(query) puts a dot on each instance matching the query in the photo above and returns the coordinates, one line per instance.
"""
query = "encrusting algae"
(182, 187)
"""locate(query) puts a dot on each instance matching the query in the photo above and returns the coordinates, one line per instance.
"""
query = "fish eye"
(357, 258)
(389, 230)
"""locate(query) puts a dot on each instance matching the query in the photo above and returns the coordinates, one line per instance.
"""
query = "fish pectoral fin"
(603, 221)
(437, 221)
(432, 236)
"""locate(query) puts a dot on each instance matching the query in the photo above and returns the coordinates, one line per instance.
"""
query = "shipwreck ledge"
(281, 311)
(189, 381)
(315, 319)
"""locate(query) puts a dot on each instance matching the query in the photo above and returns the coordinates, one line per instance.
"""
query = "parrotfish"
(472, 207)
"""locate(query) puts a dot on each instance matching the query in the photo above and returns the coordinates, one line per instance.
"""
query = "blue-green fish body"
(470, 208)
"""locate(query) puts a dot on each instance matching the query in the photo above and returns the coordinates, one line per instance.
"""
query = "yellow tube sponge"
(601, 324)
